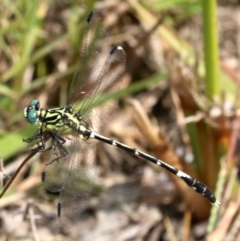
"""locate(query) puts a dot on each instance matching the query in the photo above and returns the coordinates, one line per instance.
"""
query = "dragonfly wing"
(79, 183)
(94, 42)
(100, 70)
(57, 168)
(103, 104)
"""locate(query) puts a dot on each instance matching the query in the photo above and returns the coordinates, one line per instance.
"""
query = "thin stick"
(33, 153)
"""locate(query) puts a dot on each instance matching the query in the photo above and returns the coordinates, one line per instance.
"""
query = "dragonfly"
(71, 168)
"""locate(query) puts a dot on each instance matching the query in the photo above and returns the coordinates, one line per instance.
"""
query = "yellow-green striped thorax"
(61, 119)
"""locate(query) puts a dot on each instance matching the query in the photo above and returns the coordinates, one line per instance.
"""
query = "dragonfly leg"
(39, 134)
(59, 142)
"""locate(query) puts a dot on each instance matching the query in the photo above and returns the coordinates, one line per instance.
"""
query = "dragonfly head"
(31, 112)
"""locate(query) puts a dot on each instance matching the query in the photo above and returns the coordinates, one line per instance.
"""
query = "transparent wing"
(57, 168)
(78, 185)
(72, 175)
(100, 70)
(94, 41)
(110, 69)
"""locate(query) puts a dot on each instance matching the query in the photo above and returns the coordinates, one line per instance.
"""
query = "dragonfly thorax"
(61, 119)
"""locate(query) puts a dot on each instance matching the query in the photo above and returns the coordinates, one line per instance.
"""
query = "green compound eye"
(35, 104)
(32, 116)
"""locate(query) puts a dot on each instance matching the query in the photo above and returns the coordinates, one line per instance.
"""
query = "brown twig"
(33, 153)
